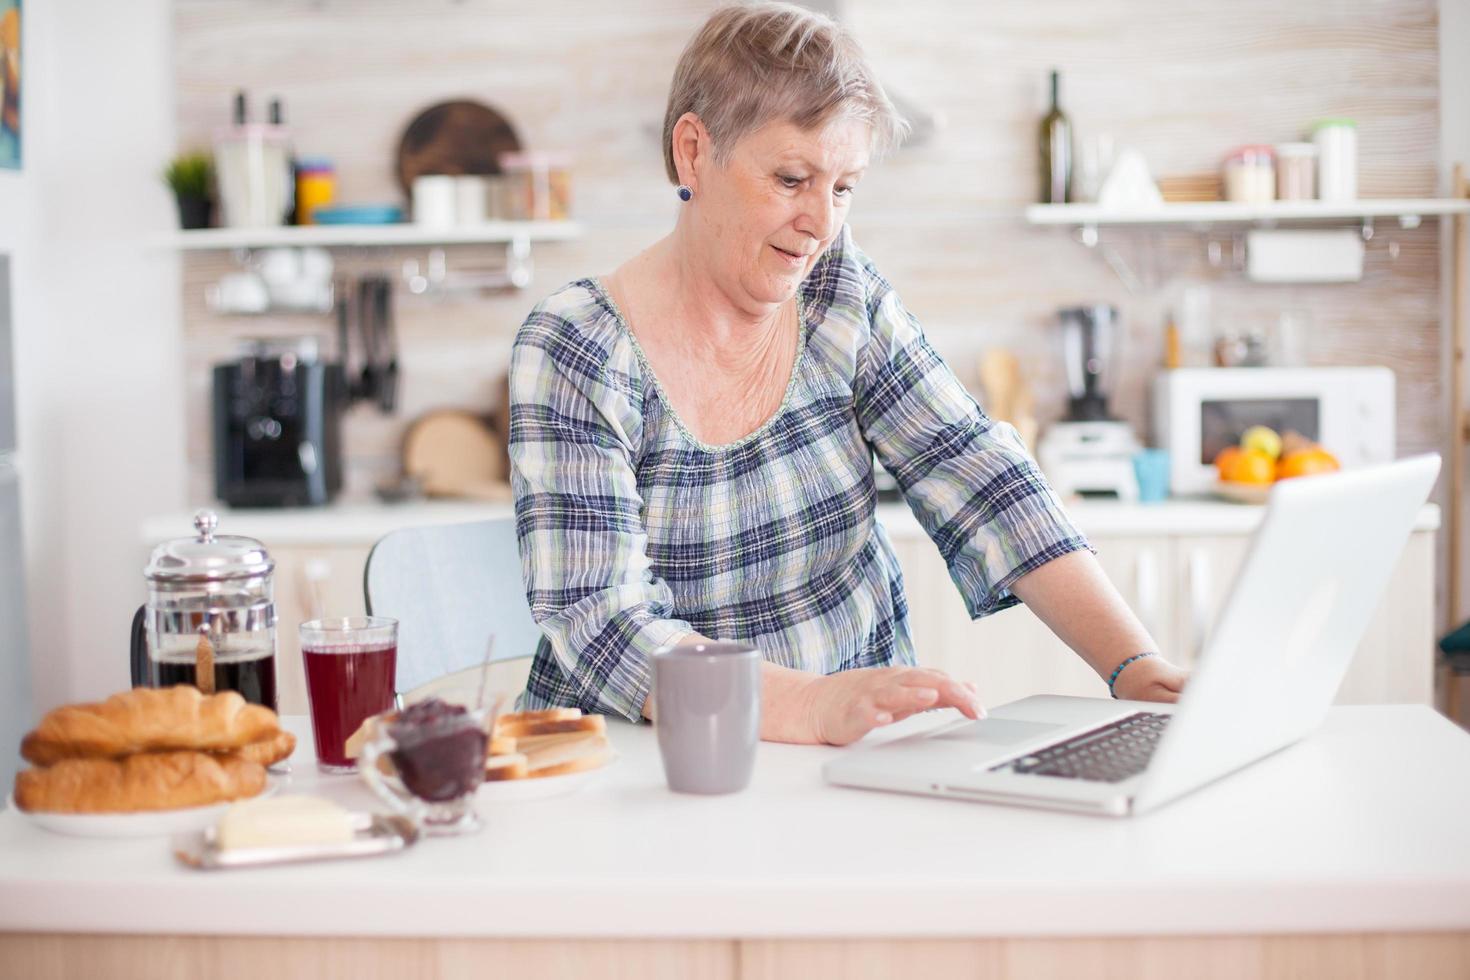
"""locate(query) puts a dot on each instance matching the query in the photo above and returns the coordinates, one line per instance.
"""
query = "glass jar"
(1250, 175)
(536, 186)
(1296, 172)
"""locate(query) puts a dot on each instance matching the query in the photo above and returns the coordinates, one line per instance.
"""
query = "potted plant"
(190, 176)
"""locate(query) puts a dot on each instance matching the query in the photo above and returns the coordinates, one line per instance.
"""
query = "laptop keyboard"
(1109, 754)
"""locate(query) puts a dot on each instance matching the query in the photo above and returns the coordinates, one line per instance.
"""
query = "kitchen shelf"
(359, 236)
(1407, 210)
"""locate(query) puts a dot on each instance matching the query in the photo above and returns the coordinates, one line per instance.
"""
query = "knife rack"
(436, 279)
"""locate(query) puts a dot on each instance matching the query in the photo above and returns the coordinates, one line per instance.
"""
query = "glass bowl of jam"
(435, 761)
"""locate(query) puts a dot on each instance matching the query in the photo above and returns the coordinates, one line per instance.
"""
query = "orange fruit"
(1292, 440)
(1306, 462)
(1251, 466)
(1224, 459)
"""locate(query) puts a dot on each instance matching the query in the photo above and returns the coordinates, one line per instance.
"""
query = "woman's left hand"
(1151, 679)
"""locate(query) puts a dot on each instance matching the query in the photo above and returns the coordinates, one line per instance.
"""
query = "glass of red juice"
(350, 665)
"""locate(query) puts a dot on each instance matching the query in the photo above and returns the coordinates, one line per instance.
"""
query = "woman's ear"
(692, 149)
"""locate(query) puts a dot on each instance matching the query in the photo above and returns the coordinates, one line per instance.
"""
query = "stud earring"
(684, 191)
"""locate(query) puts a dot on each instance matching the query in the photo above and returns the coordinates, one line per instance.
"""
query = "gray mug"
(707, 709)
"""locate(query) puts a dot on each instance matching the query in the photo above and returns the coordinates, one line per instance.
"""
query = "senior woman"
(692, 436)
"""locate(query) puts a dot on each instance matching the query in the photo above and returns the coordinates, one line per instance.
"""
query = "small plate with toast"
(536, 754)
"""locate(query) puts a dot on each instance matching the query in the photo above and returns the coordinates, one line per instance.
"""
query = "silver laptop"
(1317, 567)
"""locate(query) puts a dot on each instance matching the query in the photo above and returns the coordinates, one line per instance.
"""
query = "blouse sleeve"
(968, 479)
(574, 431)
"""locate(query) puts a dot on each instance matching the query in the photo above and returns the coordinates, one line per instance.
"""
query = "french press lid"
(208, 557)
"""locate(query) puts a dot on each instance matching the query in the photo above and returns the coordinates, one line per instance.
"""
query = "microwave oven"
(1199, 411)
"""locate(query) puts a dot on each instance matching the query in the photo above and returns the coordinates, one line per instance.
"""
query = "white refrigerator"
(16, 708)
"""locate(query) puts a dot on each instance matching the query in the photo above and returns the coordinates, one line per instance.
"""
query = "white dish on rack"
(141, 823)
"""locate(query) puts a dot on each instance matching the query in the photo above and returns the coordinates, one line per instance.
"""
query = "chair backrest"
(451, 587)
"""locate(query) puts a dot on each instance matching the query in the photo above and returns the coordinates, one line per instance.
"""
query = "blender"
(1089, 453)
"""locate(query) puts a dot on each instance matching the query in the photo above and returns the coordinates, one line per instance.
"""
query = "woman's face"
(766, 216)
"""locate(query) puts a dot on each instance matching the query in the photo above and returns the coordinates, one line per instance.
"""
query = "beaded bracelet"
(1119, 669)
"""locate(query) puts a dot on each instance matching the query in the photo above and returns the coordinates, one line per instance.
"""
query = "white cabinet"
(1177, 584)
(1203, 566)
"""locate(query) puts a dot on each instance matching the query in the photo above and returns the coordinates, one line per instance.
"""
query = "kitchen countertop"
(364, 523)
(1358, 828)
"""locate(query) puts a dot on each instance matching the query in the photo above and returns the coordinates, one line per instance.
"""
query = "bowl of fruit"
(1248, 470)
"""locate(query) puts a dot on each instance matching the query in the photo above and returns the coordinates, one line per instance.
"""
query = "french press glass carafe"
(210, 608)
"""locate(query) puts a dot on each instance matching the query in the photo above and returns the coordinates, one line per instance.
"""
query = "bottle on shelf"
(1173, 355)
(1056, 150)
(277, 117)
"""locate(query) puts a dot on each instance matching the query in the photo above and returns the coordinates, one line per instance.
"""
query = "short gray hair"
(750, 65)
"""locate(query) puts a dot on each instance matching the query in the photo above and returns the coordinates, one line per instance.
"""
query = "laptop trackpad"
(997, 731)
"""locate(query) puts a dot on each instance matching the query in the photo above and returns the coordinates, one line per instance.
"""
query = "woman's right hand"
(845, 706)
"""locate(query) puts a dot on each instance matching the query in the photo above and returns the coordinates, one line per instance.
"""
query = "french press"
(210, 618)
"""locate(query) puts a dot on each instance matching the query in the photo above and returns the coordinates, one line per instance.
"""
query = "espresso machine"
(277, 426)
(1089, 453)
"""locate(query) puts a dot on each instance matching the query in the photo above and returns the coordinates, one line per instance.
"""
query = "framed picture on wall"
(10, 84)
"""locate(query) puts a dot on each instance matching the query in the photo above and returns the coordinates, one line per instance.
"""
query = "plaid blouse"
(633, 532)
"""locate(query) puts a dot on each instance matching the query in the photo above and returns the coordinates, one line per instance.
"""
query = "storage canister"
(1296, 172)
(316, 187)
(434, 200)
(1337, 159)
(253, 171)
(536, 186)
(1250, 175)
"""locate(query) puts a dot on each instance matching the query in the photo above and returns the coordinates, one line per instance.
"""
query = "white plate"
(144, 823)
(511, 790)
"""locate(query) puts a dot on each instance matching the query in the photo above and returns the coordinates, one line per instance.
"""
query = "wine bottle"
(1056, 151)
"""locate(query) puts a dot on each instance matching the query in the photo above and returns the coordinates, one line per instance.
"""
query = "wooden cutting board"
(458, 137)
(455, 454)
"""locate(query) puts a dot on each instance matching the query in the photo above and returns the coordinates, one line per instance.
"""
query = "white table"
(1347, 852)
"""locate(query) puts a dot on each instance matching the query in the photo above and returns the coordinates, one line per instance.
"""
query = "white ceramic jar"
(1337, 159)
(434, 201)
(471, 199)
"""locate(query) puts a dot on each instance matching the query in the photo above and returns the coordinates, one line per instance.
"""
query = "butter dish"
(372, 834)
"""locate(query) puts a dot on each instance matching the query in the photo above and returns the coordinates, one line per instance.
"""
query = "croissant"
(148, 781)
(269, 750)
(148, 719)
